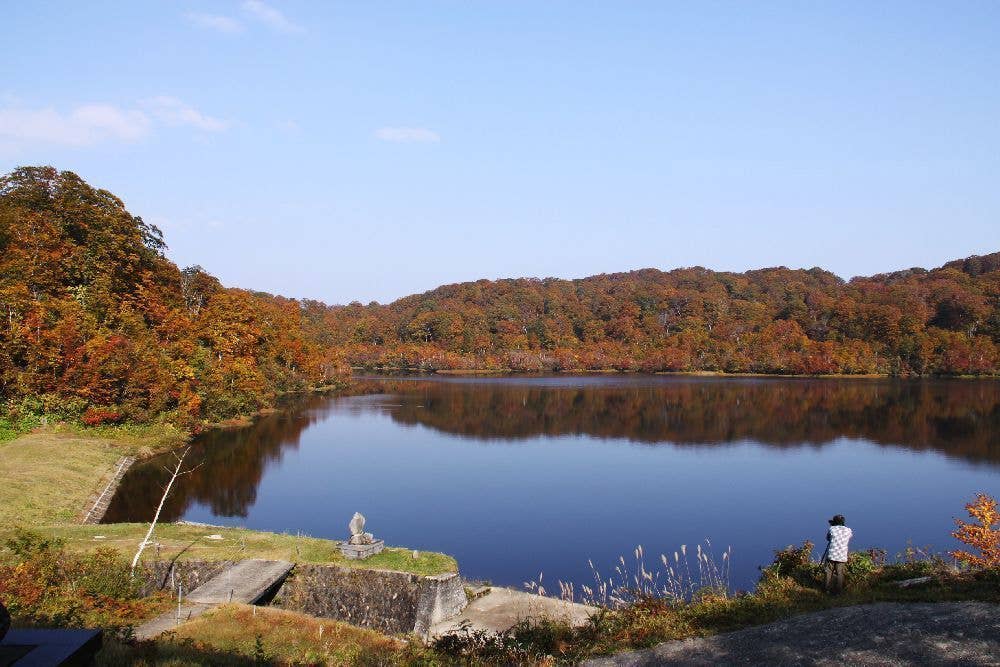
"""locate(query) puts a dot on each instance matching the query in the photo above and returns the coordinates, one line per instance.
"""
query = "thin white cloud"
(216, 22)
(85, 125)
(90, 124)
(172, 111)
(408, 135)
(268, 15)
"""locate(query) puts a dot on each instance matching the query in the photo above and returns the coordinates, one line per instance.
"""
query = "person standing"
(835, 556)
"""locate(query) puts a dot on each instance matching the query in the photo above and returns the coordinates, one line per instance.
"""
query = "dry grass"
(48, 476)
(671, 579)
(241, 634)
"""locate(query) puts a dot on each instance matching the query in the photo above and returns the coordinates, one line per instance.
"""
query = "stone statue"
(358, 534)
(361, 544)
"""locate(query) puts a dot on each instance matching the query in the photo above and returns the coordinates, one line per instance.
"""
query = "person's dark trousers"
(835, 576)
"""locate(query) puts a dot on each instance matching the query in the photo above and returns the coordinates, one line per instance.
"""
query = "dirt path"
(947, 633)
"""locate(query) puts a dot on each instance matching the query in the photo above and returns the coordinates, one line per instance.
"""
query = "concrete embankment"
(96, 509)
(384, 600)
(392, 602)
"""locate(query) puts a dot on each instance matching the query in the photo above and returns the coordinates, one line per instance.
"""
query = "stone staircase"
(100, 505)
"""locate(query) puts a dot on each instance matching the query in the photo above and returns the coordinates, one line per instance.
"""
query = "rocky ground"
(952, 633)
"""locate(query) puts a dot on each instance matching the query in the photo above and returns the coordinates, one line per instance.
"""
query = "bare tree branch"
(174, 474)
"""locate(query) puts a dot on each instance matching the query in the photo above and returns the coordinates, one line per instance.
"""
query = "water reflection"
(957, 418)
(231, 464)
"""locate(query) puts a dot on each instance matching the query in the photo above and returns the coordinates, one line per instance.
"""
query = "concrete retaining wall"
(392, 602)
(162, 575)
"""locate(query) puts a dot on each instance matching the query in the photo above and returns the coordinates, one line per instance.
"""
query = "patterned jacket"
(838, 537)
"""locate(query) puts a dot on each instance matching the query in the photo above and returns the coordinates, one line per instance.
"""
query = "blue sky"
(370, 150)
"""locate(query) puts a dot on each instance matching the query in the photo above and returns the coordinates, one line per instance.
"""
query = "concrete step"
(103, 501)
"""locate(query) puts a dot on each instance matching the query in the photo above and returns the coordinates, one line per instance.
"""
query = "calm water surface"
(518, 476)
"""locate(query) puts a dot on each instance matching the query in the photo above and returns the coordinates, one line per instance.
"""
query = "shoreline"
(390, 372)
(139, 443)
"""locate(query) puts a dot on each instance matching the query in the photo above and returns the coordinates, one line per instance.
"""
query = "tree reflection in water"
(957, 418)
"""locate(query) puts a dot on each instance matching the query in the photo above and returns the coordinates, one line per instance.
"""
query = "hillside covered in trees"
(97, 324)
(914, 322)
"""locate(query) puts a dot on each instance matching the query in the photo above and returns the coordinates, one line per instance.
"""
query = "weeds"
(43, 585)
(632, 581)
(638, 607)
(513, 646)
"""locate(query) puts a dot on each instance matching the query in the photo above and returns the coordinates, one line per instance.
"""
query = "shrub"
(484, 647)
(26, 545)
(983, 536)
(794, 563)
(864, 566)
(99, 416)
(68, 408)
(106, 573)
(43, 585)
(901, 571)
(912, 563)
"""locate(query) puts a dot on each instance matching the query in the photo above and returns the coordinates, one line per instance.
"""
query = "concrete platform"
(246, 582)
(502, 608)
(361, 551)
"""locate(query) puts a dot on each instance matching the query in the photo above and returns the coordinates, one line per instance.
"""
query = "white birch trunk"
(156, 517)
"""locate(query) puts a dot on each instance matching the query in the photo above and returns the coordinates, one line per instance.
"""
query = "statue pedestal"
(360, 551)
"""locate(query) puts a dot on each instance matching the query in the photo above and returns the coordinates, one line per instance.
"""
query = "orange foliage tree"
(97, 324)
(983, 536)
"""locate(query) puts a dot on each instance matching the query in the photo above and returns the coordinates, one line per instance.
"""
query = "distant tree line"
(913, 322)
(96, 324)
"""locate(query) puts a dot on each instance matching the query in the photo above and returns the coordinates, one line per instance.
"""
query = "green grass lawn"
(193, 542)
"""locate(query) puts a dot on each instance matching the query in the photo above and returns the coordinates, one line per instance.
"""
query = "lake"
(517, 476)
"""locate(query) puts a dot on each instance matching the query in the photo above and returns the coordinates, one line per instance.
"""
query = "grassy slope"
(48, 477)
(240, 635)
(50, 474)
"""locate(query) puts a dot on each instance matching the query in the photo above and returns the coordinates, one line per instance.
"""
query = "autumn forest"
(99, 325)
